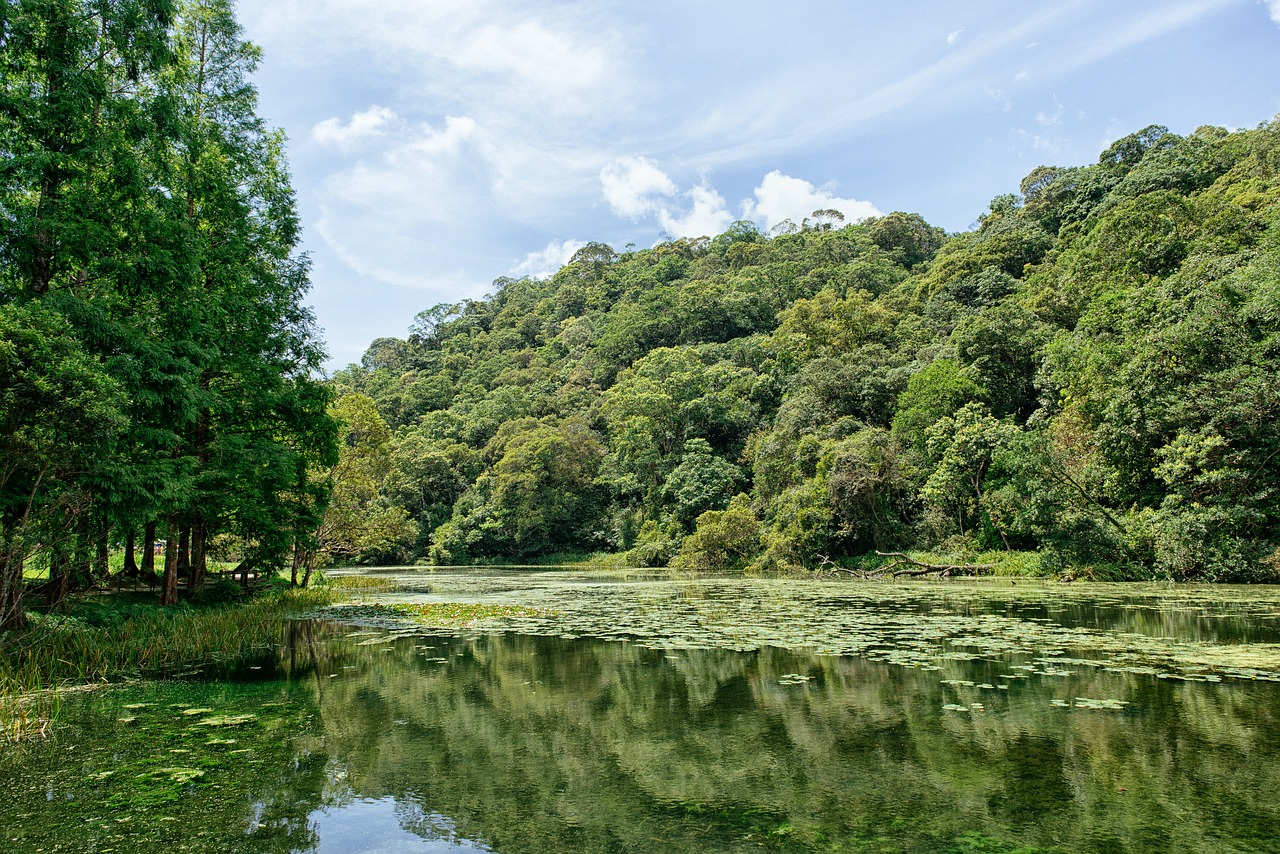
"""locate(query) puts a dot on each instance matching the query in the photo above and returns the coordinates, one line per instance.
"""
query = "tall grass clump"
(359, 584)
(102, 644)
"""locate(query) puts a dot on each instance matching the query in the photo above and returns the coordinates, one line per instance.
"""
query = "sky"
(437, 145)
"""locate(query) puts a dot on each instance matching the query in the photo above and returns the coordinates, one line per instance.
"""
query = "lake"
(540, 711)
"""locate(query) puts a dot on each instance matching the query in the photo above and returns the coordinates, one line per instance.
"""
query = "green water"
(611, 715)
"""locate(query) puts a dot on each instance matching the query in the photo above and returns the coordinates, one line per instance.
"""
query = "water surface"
(588, 713)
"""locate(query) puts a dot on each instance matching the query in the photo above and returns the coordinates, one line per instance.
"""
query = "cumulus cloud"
(431, 142)
(707, 215)
(541, 264)
(370, 123)
(781, 197)
(635, 186)
(1273, 6)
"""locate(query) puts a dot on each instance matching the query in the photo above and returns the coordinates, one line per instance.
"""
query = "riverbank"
(967, 563)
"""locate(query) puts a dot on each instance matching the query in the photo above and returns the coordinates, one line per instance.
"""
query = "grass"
(106, 638)
(359, 583)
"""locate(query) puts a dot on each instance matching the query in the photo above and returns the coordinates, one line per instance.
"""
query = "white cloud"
(707, 217)
(530, 51)
(556, 59)
(431, 142)
(634, 186)
(999, 101)
(539, 265)
(1273, 6)
(1053, 119)
(780, 197)
(954, 37)
(1046, 144)
(364, 125)
(403, 217)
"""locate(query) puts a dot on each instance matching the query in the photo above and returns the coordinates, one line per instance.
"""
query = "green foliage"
(932, 393)
(724, 541)
(538, 495)
(357, 524)
(148, 244)
(1089, 376)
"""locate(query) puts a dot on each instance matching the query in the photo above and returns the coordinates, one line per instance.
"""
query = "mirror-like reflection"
(370, 740)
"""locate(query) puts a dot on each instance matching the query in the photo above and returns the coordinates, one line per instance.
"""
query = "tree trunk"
(184, 554)
(13, 555)
(82, 560)
(130, 555)
(102, 558)
(169, 585)
(199, 556)
(297, 562)
(149, 553)
(55, 592)
(310, 564)
(12, 614)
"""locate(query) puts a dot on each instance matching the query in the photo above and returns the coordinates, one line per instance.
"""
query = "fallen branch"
(917, 567)
(942, 570)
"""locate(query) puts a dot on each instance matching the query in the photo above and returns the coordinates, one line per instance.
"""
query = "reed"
(60, 651)
(360, 583)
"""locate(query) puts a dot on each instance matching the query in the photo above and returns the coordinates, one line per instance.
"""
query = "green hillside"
(1092, 375)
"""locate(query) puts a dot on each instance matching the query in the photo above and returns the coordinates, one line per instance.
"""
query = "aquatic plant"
(60, 650)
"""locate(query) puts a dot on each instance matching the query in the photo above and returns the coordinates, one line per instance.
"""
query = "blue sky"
(439, 144)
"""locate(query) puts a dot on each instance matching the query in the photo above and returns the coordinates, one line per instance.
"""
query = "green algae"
(532, 743)
(918, 625)
(712, 718)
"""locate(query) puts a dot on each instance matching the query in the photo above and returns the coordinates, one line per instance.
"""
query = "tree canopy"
(1090, 373)
(157, 366)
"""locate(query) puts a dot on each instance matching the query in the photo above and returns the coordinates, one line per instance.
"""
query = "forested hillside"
(158, 372)
(1093, 375)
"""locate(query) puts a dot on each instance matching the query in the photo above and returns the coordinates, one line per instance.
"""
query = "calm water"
(646, 716)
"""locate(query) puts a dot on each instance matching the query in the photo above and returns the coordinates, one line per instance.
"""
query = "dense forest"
(159, 376)
(1089, 379)
(1086, 382)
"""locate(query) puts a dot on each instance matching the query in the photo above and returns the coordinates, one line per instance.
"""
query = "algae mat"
(1171, 632)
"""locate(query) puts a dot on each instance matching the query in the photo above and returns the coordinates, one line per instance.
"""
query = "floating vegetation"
(176, 775)
(1087, 703)
(227, 720)
(794, 679)
(1036, 631)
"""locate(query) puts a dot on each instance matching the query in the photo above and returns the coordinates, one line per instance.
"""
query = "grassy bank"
(101, 638)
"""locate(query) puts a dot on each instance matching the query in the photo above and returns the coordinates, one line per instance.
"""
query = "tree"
(724, 541)
(538, 496)
(59, 413)
(357, 523)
